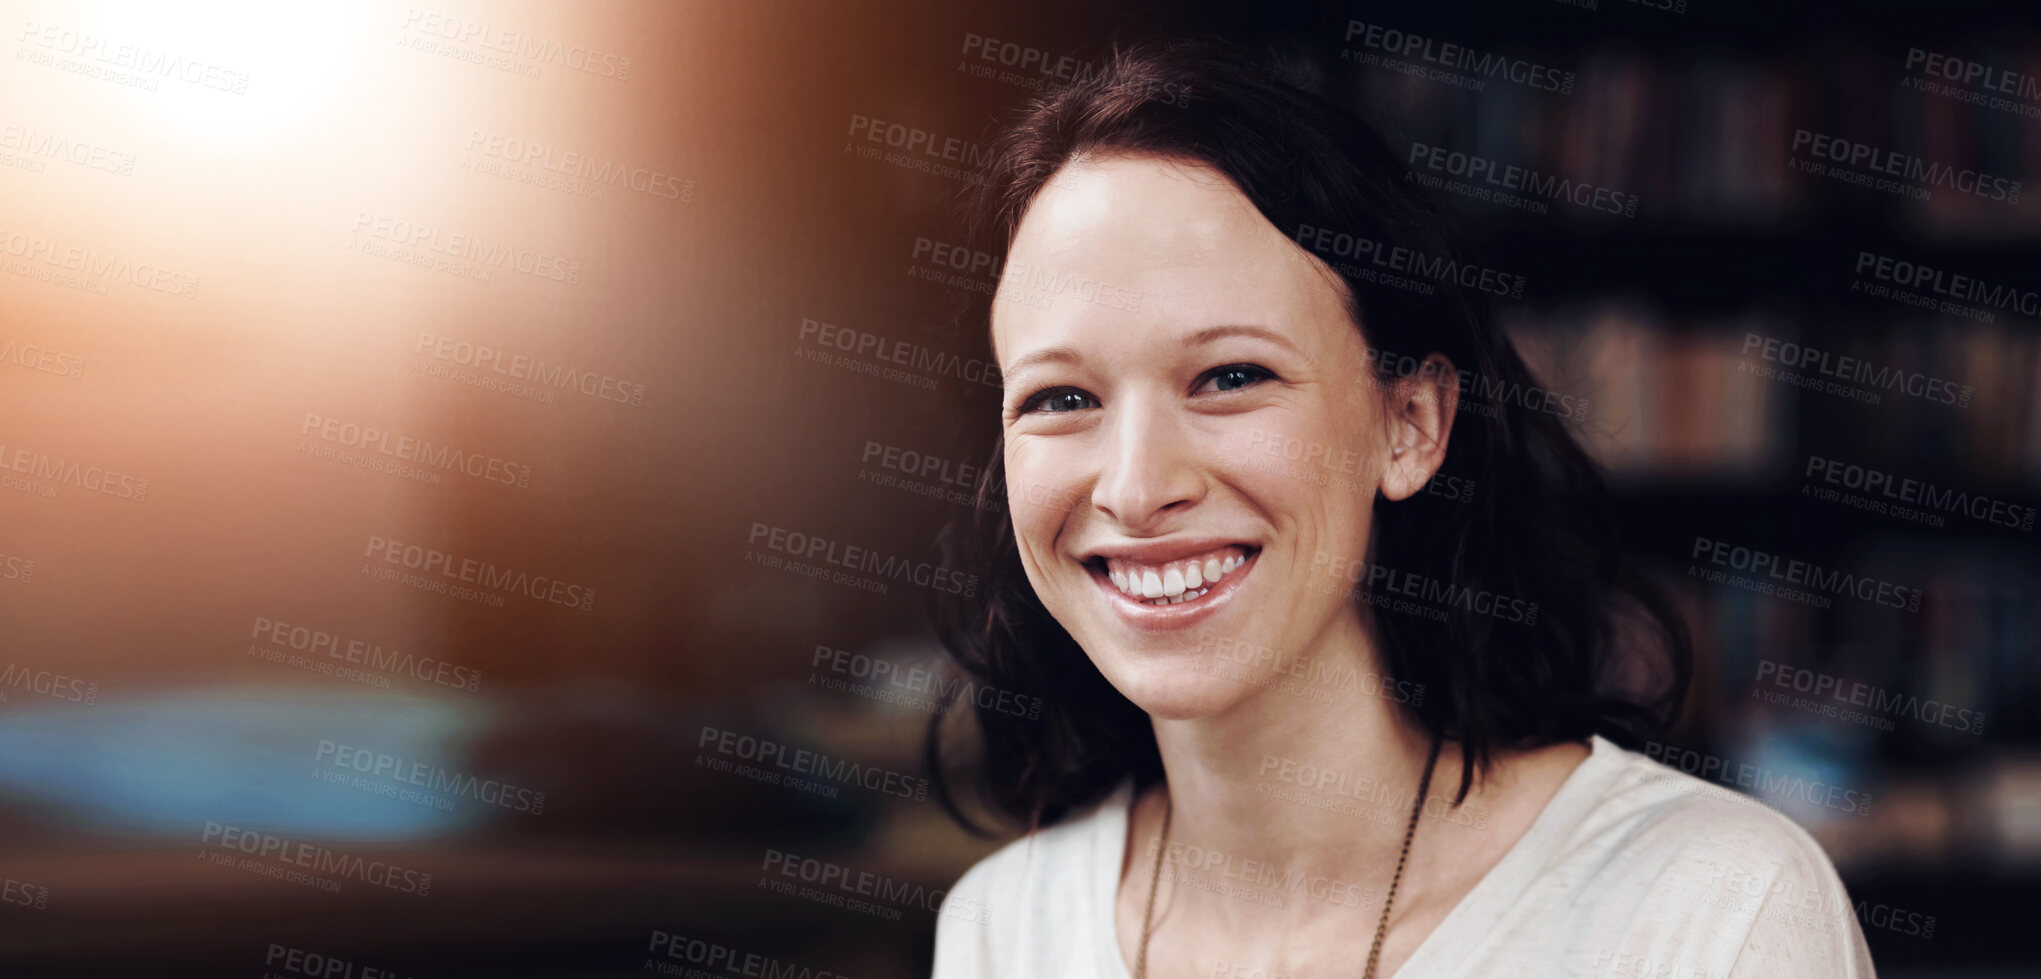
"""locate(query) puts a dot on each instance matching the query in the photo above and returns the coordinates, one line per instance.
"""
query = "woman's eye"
(1233, 377)
(1057, 400)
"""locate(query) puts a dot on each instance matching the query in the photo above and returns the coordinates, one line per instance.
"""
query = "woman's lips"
(1191, 603)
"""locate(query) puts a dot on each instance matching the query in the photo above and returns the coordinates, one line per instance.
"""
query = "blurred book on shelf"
(1704, 139)
(1721, 401)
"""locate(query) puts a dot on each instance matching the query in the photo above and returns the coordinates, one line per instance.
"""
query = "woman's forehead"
(1168, 208)
(1165, 242)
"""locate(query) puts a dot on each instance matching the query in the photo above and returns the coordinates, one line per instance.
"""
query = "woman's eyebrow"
(1044, 355)
(1212, 333)
(1207, 335)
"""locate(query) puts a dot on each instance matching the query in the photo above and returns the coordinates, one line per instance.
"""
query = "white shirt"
(1633, 869)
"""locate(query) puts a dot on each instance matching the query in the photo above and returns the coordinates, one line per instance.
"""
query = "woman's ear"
(1421, 409)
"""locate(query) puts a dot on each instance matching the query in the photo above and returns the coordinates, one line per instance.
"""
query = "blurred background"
(407, 411)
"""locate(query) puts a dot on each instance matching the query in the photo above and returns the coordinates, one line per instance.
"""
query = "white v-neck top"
(1633, 869)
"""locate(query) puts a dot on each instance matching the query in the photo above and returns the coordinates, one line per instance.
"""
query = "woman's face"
(1186, 397)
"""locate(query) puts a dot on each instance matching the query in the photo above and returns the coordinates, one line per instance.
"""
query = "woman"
(1286, 547)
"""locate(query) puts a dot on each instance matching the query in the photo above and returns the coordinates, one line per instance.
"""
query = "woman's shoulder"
(1042, 883)
(1658, 812)
(1669, 854)
(1051, 854)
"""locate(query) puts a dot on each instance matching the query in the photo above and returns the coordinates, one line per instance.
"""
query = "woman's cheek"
(1025, 491)
(1039, 502)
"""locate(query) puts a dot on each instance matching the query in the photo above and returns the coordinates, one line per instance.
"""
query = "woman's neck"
(1316, 782)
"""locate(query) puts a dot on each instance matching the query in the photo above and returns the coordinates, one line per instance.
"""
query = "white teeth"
(1174, 583)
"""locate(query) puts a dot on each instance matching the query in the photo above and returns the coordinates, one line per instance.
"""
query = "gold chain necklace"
(1382, 928)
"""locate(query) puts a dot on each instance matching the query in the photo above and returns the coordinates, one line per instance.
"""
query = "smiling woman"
(1223, 544)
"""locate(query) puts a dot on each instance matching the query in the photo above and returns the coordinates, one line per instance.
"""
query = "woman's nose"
(1149, 469)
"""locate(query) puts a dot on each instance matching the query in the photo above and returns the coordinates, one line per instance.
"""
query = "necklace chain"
(1381, 928)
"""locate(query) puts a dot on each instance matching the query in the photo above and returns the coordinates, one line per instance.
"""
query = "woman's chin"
(1180, 693)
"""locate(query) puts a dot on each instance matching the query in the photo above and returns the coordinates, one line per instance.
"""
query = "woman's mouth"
(1172, 592)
